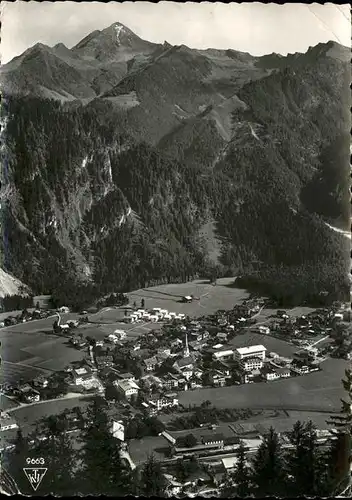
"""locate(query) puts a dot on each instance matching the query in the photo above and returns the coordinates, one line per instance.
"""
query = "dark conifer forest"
(108, 198)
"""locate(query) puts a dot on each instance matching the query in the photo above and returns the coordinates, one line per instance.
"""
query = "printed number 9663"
(35, 461)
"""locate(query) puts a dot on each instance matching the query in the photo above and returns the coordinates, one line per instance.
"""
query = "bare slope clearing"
(213, 244)
(10, 285)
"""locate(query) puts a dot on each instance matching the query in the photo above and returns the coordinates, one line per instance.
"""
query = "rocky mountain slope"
(144, 152)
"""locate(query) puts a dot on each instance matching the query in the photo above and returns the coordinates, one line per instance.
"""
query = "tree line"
(16, 302)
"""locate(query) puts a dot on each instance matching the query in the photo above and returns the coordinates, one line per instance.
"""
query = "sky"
(249, 27)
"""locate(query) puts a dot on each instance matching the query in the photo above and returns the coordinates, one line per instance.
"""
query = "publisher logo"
(35, 474)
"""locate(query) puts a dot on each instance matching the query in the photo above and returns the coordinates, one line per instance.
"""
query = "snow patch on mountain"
(118, 29)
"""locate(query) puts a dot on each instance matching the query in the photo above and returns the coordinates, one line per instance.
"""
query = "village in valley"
(182, 377)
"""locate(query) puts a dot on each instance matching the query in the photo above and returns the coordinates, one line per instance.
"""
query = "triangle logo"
(35, 475)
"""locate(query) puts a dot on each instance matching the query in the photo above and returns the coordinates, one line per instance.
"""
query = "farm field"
(26, 416)
(26, 354)
(99, 330)
(211, 298)
(12, 373)
(318, 391)
(271, 343)
(140, 449)
(7, 403)
(293, 312)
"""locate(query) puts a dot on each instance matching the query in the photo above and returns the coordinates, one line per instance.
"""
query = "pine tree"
(241, 474)
(152, 481)
(102, 471)
(228, 488)
(338, 476)
(13, 462)
(54, 445)
(268, 467)
(181, 470)
(304, 460)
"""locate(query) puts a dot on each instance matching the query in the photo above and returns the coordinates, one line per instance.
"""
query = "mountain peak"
(60, 46)
(116, 42)
(121, 33)
(330, 49)
(38, 47)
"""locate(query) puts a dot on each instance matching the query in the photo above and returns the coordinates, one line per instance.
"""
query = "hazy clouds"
(250, 27)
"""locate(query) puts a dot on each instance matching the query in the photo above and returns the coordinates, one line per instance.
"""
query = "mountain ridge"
(165, 145)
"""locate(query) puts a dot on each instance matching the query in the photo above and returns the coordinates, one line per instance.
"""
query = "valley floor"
(31, 348)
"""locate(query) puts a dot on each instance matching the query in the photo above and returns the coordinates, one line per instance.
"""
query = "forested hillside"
(113, 197)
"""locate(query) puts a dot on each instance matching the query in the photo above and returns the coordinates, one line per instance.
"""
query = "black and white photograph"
(175, 275)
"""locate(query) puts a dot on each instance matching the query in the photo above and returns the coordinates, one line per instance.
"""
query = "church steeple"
(186, 349)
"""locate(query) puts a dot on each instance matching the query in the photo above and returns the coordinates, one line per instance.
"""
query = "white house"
(257, 351)
(120, 334)
(250, 364)
(272, 375)
(223, 354)
(187, 372)
(165, 401)
(302, 369)
(29, 394)
(127, 387)
(113, 338)
(7, 422)
(82, 376)
(284, 372)
(264, 329)
(180, 316)
(127, 376)
(154, 318)
(118, 430)
(151, 363)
